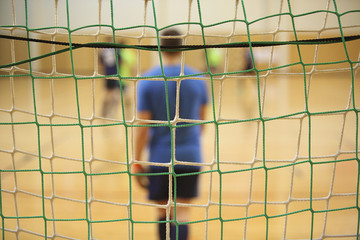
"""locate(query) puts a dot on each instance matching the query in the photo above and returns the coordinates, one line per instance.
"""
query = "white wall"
(127, 13)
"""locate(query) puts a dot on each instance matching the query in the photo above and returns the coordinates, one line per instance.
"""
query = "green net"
(281, 135)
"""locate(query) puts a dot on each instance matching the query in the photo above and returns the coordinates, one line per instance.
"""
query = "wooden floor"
(261, 169)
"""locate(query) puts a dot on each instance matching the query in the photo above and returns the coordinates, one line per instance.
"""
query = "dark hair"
(174, 41)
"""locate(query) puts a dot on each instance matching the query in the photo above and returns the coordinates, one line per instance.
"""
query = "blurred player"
(151, 104)
(109, 62)
(248, 61)
(214, 59)
(248, 85)
(126, 61)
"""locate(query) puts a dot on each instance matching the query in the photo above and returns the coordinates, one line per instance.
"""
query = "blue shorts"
(186, 186)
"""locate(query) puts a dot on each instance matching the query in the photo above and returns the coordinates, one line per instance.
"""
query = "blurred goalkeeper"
(151, 105)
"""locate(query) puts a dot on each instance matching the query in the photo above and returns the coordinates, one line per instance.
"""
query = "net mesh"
(281, 152)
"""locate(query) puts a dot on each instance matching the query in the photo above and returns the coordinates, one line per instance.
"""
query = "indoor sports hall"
(279, 135)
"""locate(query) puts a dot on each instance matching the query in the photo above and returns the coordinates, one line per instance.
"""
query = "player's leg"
(161, 216)
(182, 216)
(159, 192)
(116, 95)
(186, 191)
(112, 97)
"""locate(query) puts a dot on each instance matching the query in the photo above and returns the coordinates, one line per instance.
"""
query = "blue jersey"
(151, 97)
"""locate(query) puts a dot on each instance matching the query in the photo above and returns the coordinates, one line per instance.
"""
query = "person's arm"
(141, 141)
(141, 135)
(205, 101)
(202, 114)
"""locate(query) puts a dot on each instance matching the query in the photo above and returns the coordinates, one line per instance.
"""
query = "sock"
(183, 231)
(162, 229)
